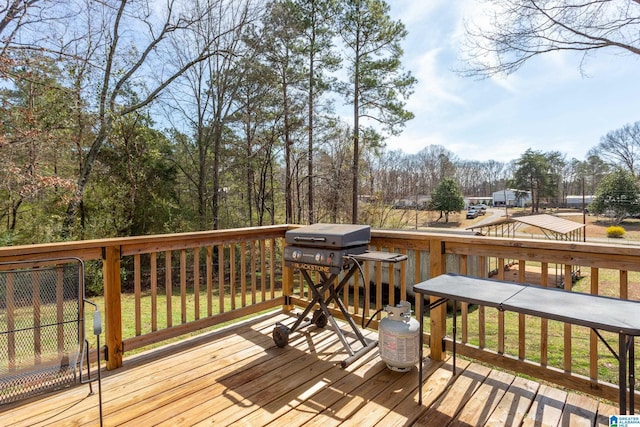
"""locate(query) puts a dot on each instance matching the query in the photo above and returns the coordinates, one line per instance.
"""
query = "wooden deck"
(237, 376)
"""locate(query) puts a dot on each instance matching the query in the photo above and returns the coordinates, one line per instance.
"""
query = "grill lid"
(329, 235)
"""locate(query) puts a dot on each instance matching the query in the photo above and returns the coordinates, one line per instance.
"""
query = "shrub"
(93, 282)
(615, 231)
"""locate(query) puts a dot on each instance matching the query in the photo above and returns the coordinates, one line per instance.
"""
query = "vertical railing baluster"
(501, 329)
(378, 288)
(392, 280)
(168, 284)
(593, 338)
(522, 326)
(356, 290)
(272, 268)
(196, 282)
(263, 271)
(345, 295)
(154, 291)
(567, 326)
(544, 323)
(137, 294)
(367, 289)
(232, 279)
(417, 276)
(183, 286)
(482, 314)
(624, 284)
(243, 273)
(464, 307)
(403, 276)
(209, 280)
(252, 260)
(221, 275)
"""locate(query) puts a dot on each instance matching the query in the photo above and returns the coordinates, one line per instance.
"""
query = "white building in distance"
(511, 198)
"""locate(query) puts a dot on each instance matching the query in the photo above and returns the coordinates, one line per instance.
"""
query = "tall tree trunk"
(310, 149)
(356, 139)
(249, 182)
(312, 49)
(85, 172)
(272, 187)
(14, 215)
(287, 150)
(299, 203)
(215, 197)
(202, 182)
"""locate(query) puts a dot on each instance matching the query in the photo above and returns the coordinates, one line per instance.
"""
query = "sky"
(547, 105)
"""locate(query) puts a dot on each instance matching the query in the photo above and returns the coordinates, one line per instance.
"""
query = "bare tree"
(522, 29)
(438, 163)
(135, 36)
(205, 97)
(278, 44)
(334, 202)
(494, 172)
(317, 33)
(621, 147)
(592, 172)
(14, 16)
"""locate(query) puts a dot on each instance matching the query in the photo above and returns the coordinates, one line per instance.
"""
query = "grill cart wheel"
(281, 335)
(319, 318)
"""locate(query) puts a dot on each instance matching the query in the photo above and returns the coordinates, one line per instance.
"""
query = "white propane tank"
(399, 338)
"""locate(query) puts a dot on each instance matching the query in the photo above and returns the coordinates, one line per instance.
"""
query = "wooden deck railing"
(179, 283)
(217, 276)
(566, 355)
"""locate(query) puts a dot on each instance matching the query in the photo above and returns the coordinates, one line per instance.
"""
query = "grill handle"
(310, 239)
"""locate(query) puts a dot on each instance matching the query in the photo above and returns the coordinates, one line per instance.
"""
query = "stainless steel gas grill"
(330, 250)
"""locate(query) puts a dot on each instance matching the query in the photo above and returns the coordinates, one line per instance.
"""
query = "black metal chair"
(42, 326)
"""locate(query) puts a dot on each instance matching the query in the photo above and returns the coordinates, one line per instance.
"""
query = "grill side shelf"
(378, 256)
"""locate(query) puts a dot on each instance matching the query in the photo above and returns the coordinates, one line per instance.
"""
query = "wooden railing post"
(437, 315)
(112, 306)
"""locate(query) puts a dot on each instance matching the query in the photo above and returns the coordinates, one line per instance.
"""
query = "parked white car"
(473, 213)
(481, 208)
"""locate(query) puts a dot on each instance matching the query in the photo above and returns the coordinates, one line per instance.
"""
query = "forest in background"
(140, 117)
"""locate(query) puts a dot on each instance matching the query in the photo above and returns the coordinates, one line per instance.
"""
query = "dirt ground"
(596, 225)
(608, 281)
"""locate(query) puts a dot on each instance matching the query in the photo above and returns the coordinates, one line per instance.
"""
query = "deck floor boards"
(237, 376)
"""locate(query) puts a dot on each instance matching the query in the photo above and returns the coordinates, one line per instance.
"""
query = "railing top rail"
(92, 249)
(457, 243)
(491, 242)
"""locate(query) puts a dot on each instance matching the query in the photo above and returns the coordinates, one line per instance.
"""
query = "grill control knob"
(297, 254)
(319, 257)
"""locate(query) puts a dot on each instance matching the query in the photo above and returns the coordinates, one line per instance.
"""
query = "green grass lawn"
(128, 302)
(580, 342)
(608, 284)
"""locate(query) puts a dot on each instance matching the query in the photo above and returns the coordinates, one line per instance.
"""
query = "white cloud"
(546, 105)
(435, 84)
(414, 12)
